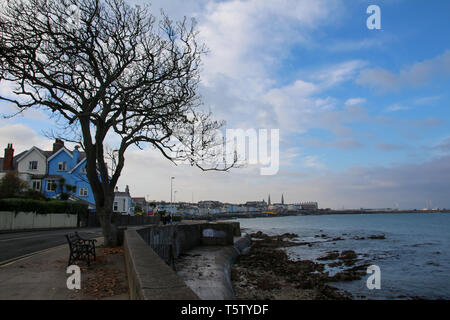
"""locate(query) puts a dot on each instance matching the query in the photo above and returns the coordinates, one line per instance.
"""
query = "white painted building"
(123, 203)
(294, 207)
(31, 165)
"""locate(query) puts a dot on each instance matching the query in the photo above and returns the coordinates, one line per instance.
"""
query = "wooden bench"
(80, 249)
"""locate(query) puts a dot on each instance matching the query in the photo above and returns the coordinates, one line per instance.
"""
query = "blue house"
(68, 167)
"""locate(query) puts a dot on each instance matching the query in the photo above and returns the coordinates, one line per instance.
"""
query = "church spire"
(268, 200)
(282, 199)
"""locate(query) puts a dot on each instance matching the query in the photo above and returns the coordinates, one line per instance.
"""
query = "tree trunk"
(109, 229)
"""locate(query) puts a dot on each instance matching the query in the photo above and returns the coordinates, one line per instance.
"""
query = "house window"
(62, 166)
(33, 165)
(51, 185)
(36, 185)
(115, 206)
(84, 192)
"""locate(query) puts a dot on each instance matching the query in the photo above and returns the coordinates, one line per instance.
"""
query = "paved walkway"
(42, 276)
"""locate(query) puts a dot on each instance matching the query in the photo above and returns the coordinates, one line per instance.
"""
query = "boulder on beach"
(380, 236)
(330, 256)
(348, 255)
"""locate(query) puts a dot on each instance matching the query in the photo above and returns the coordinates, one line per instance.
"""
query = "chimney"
(9, 156)
(76, 155)
(58, 144)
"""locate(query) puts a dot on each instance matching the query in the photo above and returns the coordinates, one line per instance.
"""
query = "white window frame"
(49, 183)
(34, 183)
(30, 165)
(83, 192)
(62, 165)
(115, 206)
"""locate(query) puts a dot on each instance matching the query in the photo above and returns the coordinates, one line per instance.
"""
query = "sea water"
(414, 258)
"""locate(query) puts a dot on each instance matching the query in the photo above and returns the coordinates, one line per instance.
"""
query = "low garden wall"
(91, 220)
(10, 221)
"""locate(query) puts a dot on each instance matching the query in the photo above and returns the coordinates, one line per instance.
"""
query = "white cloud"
(242, 42)
(300, 104)
(397, 107)
(312, 162)
(332, 75)
(22, 138)
(355, 101)
(427, 100)
(380, 187)
(354, 45)
(388, 146)
(414, 75)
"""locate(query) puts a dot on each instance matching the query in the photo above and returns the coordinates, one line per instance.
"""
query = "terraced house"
(51, 172)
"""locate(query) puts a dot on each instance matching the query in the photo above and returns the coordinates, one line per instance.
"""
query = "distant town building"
(142, 204)
(278, 206)
(294, 207)
(186, 208)
(261, 204)
(235, 208)
(210, 204)
(309, 205)
(189, 210)
(167, 207)
(123, 203)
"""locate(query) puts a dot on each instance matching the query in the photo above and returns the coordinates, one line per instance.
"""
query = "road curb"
(28, 255)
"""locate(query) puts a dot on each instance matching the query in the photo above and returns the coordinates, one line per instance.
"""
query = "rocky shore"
(266, 272)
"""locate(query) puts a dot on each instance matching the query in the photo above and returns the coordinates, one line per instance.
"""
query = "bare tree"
(109, 69)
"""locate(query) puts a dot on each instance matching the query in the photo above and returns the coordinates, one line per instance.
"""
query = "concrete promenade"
(39, 276)
(42, 276)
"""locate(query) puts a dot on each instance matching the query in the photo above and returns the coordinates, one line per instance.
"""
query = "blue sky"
(363, 114)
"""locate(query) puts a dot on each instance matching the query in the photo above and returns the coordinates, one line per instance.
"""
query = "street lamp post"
(171, 204)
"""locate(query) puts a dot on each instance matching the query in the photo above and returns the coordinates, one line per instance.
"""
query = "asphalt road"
(14, 245)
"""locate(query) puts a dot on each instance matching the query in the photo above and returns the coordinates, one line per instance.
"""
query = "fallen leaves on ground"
(117, 250)
(101, 281)
(105, 282)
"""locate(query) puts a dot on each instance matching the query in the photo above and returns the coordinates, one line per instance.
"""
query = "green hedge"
(43, 207)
